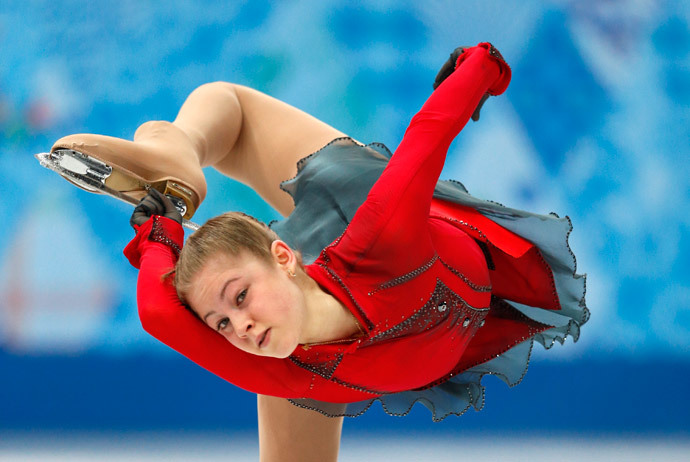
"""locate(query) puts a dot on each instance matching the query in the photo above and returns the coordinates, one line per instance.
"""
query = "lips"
(263, 340)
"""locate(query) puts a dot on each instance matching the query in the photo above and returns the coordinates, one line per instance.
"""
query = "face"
(255, 305)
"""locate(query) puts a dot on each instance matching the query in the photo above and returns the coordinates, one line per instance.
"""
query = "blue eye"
(222, 324)
(240, 297)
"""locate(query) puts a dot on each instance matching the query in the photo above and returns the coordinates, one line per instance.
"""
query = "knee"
(219, 88)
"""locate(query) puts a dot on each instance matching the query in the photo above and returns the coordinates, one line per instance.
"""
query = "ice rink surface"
(592, 126)
(171, 448)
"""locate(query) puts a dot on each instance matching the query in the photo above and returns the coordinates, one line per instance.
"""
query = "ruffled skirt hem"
(549, 233)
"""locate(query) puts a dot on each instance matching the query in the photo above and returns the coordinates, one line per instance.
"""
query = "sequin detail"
(554, 292)
(466, 280)
(496, 54)
(469, 386)
(158, 235)
(443, 307)
(405, 277)
(319, 363)
(327, 409)
(505, 310)
(324, 252)
(357, 387)
(472, 227)
(304, 160)
(338, 410)
(335, 277)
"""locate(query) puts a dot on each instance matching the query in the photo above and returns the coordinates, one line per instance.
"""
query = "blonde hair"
(230, 233)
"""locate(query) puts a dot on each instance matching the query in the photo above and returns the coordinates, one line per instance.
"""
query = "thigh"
(274, 136)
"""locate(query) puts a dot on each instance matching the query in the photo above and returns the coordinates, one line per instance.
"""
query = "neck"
(326, 318)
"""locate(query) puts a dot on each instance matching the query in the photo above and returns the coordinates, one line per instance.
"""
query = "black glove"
(155, 203)
(448, 68)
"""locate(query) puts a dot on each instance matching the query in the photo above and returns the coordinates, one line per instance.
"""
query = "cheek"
(292, 306)
(281, 298)
(240, 344)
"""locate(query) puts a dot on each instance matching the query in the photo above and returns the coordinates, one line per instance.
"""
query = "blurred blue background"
(595, 125)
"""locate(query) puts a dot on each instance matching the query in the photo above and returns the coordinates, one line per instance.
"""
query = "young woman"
(381, 284)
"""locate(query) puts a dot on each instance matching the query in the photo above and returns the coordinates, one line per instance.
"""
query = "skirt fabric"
(329, 187)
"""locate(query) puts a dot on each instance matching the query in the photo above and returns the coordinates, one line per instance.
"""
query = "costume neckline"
(332, 284)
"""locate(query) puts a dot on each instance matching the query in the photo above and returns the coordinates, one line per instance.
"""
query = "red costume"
(424, 277)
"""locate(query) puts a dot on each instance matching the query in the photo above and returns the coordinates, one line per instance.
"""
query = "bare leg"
(288, 433)
(245, 134)
(251, 137)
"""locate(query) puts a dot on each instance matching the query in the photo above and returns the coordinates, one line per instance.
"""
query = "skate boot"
(160, 157)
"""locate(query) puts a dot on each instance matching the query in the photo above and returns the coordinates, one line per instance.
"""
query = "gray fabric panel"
(329, 187)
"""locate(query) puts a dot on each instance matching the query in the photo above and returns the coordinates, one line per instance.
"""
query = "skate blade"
(91, 175)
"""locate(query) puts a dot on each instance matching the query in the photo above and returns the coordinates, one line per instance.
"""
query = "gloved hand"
(448, 68)
(155, 203)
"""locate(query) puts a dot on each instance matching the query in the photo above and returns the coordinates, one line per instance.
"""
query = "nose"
(242, 324)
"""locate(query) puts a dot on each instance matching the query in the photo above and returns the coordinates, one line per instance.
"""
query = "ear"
(283, 255)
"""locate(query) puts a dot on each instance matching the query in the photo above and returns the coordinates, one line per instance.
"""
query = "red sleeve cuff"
(502, 82)
(156, 230)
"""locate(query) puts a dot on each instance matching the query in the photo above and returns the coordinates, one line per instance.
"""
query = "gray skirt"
(329, 187)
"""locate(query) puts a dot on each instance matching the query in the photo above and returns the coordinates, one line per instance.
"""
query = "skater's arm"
(394, 216)
(154, 251)
(289, 433)
(164, 317)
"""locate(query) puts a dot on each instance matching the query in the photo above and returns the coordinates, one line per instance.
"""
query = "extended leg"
(245, 134)
(251, 137)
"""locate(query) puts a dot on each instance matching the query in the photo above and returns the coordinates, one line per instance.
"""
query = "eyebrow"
(222, 294)
(225, 286)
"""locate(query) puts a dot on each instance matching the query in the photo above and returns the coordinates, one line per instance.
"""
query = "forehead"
(224, 264)
(217, 269)
(223, 261)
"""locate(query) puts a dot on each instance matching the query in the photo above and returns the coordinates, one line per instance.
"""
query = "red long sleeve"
(164, 317)
(389, 237)
(395, 214)
(419, 286)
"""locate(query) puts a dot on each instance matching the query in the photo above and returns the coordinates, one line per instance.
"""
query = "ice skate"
(91, 175)
(160, 157)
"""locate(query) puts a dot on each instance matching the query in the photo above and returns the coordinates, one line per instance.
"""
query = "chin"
(281, 355)
(284, 352)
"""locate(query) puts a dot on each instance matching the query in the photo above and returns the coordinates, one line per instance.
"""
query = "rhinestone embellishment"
(406, 277)
(158, 235)
(466, 280)
(325, 367)
(443, 307)
(466, 322)
(335, 277)
(495, 53)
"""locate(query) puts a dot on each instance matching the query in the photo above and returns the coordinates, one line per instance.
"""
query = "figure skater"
(382, 282)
